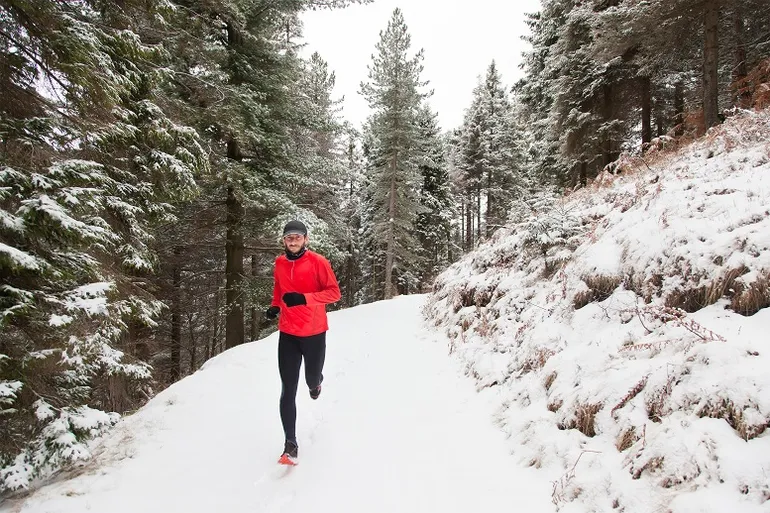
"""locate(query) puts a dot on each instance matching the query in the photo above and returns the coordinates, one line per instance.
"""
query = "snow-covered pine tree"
(89, 164)
(249, 93)
(583, 111)
(534, 92)
(317, 174)
(702, 42)
(433, 224)
(394, 93)
(461, 231)
(499, 142)
(471, 163)
(489, 154)
(350, 275)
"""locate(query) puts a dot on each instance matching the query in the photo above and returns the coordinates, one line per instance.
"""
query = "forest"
(151, 151)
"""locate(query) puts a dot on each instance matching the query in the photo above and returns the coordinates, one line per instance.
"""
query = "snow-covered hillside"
(627, 329)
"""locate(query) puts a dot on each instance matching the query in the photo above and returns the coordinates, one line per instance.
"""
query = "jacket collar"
(295, 256)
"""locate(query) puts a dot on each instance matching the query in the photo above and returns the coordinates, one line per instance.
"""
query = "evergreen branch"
(46, 69)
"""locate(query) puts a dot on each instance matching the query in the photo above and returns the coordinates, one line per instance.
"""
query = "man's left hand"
(294, 299)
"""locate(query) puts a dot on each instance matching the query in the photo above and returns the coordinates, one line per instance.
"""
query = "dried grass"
(563, 491)
(584, 419)
(549, 380)
(727, 410)
(600, 287)
(537, 360)
(748, 300)
(657, 401)
(651, 465)
(586, 416)
(626, 439)
(630, 395)
(692, 300)
(754, 89)
(554, 406)
(676, 317)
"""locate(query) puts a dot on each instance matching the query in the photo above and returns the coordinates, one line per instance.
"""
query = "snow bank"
(626, 326)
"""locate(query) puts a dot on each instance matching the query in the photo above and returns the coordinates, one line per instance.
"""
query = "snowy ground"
(397, 429)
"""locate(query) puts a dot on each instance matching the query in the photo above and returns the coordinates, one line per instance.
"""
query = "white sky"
(460, 39)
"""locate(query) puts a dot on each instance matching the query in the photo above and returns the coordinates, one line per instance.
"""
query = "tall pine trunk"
(176, 317)
(740, 69)
(477, 230)
(391, 246)
(212, 346)
(468, 213)
(350, 280)
(608, 147)
(710, 65)
(255, 317)
(234, 321)
(679, 109)
(646, 112)
(193, 344)
(491, 205)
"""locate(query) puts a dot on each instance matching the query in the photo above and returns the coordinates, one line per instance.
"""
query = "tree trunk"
(710, 65)
(255, 317)
(740, 68)
(193, 344)
(477, 230)
(583, 173)
(391, 247)
(660, 121)
(608, 151)
(679, 109)
(646, 112)
(176, 317)
(468, 242)
(214, 326)
(234, 323)
(350, 286)
(491, 205)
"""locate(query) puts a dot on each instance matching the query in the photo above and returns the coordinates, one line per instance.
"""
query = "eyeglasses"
(293, 237)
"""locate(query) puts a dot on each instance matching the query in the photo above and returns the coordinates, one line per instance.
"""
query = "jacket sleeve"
(330, 289)
(276, 289)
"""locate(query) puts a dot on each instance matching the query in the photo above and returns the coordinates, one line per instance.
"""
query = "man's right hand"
(272, 313)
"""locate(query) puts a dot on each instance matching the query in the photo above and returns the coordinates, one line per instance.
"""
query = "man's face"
(294, 242)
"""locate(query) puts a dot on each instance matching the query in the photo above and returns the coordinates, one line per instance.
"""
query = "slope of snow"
(396, 429)
(609, 321)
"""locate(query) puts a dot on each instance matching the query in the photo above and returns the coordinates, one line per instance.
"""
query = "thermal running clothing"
(291, 351)
(310, 275)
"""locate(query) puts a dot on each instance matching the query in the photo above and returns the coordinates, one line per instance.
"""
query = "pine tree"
(394, 95)
(535, 94)
(351, 275)
(672, 41)
(433, 224)
(89, 165)
(490, 155)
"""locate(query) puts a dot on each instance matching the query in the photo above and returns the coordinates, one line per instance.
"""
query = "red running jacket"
(311, 275)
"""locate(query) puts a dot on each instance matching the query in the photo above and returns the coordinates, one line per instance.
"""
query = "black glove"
(294, 299)
(272, 313)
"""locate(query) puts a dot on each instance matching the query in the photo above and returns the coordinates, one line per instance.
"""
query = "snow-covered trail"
(396, 429)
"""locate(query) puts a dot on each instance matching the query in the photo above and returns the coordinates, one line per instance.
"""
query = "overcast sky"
(460, 39)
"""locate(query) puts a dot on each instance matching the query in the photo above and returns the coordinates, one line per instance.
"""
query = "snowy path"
(397, 429)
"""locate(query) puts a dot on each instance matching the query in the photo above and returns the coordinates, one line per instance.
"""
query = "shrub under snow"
(625, 327)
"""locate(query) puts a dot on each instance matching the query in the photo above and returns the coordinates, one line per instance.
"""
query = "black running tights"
(291, 351)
